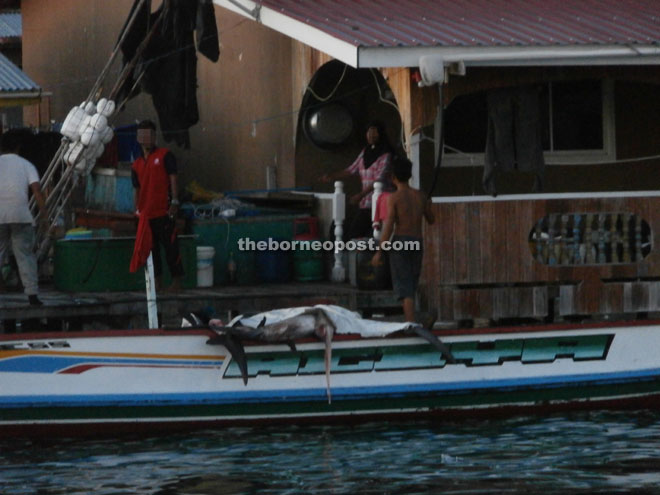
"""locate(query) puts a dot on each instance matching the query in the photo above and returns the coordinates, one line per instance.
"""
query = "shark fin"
(235, 348)
(435, 342)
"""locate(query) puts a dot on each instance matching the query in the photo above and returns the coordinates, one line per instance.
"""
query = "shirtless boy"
(405, 209)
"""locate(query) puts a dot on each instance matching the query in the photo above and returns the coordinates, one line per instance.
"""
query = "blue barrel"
(273, 266)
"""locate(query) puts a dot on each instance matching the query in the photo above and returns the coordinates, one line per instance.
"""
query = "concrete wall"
(65, 46)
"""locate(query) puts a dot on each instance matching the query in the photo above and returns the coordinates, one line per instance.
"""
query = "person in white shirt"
(17, 175)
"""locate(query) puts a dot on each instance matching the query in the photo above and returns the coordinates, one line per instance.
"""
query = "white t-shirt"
(16, 175)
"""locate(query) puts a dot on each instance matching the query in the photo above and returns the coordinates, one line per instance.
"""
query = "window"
(577, 124)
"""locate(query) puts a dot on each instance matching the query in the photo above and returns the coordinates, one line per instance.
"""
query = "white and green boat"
(146, 380)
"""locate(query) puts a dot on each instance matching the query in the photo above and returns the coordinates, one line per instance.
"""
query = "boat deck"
(67, 310)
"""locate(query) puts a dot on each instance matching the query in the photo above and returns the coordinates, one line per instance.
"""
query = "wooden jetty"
(89, 310)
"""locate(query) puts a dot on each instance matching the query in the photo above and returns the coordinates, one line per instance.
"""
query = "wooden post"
(626, 237)
(577, 220)
(601, 239)
(539, 242)
(614, 238)
(150, 283)
(552, 256)
(415, 142)
(589, 239)
(564, 231)
(638, 238)
(338, 215)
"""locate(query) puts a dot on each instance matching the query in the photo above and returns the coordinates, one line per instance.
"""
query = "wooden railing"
(590, 238)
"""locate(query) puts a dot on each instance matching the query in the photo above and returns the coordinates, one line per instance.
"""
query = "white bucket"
(205, 256)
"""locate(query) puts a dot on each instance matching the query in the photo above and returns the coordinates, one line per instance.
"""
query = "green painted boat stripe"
(579, 347)
(424, 356)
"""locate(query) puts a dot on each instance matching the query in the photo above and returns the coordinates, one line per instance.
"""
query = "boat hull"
(138, 381)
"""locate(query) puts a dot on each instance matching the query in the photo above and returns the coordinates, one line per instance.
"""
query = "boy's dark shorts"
(405, 267)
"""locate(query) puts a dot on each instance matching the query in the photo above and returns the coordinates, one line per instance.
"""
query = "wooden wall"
(637, 106)
(244, 99)
(478, 262)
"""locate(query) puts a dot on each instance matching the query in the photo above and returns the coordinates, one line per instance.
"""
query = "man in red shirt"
(154, 177)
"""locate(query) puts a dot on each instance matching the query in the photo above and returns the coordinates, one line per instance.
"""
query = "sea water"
(578, 453)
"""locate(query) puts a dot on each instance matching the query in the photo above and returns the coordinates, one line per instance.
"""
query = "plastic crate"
(101, 264)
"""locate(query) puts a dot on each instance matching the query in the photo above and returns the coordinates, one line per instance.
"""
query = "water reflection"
(579, 453)
(210, 485)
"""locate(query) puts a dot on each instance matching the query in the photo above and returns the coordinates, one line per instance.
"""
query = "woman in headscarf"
(373, 165)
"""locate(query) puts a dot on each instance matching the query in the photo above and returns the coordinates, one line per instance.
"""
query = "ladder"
(83, 143)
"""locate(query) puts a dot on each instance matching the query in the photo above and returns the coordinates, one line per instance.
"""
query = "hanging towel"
(170, 61)
(514, 135)
(143, 244)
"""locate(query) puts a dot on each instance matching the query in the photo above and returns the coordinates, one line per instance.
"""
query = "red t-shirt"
(152, 177)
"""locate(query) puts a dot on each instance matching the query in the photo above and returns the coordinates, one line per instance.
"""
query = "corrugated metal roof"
(11, 25)
(13, 79)
(388, 33)
(408, 23)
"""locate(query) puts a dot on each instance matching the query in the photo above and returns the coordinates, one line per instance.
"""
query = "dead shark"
(313, 322)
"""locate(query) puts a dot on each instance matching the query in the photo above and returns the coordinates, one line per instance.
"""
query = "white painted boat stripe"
(296, 395)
